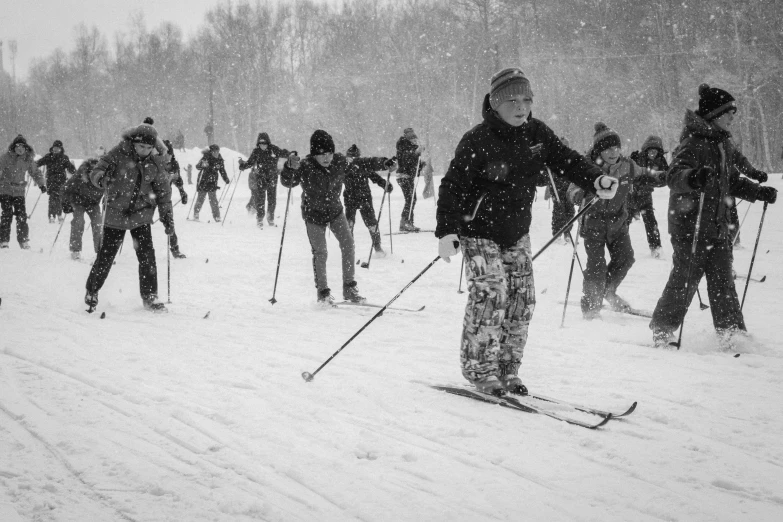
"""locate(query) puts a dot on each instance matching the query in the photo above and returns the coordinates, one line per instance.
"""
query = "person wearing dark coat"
(263, 162)
(703, 177)
(410, 166)
(17, 161)
(210, 167)
(640, 200)
(82, 197)
(172, 167)
(357, 194)
(605, 227)
(136, 183)
(57, 163)
(321, 175)
(484, 209)
(562, 209)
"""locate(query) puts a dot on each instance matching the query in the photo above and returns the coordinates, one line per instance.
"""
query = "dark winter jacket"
(408, 158)
(56, 167)
(172, 167)
(135, 187)
(264, 161)
(702, 144)
(79, 190)
(320, 188)
(644, 187)
(503, 164)
(210, 168)
(357, 176)
(608, 218)
(13, 168)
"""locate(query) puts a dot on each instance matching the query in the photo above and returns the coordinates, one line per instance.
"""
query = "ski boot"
(379, 252)
(617, 303)
(490, 385)
(76, 256)
(407, 226)
(217, 219)
(655, 253)
(513, 384)
(351, 293)
(152, 304)
(177, 254)
(4, 244)
(91, 300)
(664, 339)
(325, 298)
(24, 245)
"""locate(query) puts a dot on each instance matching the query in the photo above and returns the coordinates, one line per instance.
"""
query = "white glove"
(448, 246)
(606, 186)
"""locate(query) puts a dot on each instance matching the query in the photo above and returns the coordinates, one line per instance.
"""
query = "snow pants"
(77, 227)
(145, 254)
(714, 259)
(317, 236)
(500, 305)
(55, 193)
(408, 187)
(13, 207)
(600, 278)
(266, 196)
(365, 208)
(213, 203)
(643, 203)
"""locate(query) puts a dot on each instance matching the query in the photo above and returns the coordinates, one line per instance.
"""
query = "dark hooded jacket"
(321, 188)
(265, 161)
(503, 164)
(56, 167)
(210, 168)
(643, 186)
(357, 176)
(408, 158)
(79, 190)
(702, 144)
(13, 168)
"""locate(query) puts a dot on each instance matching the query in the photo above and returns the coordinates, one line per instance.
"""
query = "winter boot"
(177, 254)
(152, 304)
(407, 226)
(513, 384)
(490, 385)
(271, 221)
(617, 303)
(91, 299)
(663, 338)
(379, 252)
(76, 256)
(260, 224)
(655, 252)
(325, 297)
(24, 245)
(51, 219)
(217, 219)
(591, 315)
(351, 293)
(195, 217)
(4, 244)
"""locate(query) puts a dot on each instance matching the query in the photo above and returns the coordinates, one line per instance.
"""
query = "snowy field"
(201, 414)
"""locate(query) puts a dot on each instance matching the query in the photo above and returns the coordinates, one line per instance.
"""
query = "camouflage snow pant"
(500, 306)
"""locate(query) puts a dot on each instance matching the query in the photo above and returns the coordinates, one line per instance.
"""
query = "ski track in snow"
(146, 417)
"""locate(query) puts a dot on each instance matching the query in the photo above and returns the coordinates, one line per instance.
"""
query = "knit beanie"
(507, 83)
(321, 143)
(714, 102)
(353, 151)
(408, 134)
(149, 121)
(262, 136)
(57, 143)
(652, 142)
(604, 138)
(214, 147)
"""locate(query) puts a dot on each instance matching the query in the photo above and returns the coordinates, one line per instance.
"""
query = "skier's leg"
(621, 260)
(148, 268)
(342, 233)
(518, 266)
(724, 301)
(672, 305)
(213, 203)
(7, 206)
(22, 228)
(594, 284)
(317, 236)
(112, 239)
(77, 228)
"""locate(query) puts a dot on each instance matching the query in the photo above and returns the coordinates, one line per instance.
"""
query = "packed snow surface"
(202, 413)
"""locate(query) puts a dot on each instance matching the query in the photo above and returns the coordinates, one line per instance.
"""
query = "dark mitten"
(184, 196)
(389, 162)
(388, 187)
(43, 189)
(767, 194)
(760, 176)
(698, 177)
(242, 164)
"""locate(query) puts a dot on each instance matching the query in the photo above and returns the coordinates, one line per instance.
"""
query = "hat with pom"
(506, 83)
(604, 138)
(144, 133)
(321, 143)
(353, 151)
(714, 102)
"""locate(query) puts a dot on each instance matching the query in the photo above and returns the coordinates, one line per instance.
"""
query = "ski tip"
(603, 422)
(207, 261)
(422, 308)
(737, 355)
(207, 314)
(103, 315)
(763, 279)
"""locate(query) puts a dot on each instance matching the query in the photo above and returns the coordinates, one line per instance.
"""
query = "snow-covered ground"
(201, 413)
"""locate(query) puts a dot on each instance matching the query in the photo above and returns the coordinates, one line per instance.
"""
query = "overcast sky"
(41, 26)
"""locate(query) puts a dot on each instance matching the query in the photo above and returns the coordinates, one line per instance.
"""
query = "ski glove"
(43, 189)
(184, 196)
(448, 246)
(242, 164)
(698, 178)
(606, 186)
(759, 176)
(293, 160)
(767, 194)
(388, 188)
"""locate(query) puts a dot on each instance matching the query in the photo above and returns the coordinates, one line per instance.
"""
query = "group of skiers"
(483, 209)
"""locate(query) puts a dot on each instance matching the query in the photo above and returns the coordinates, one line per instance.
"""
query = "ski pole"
(168, 269)
(415, 186)
(172, 206)
(377, 222)
(308, 377)
(225, 216)
(570, 222)
(58, 235)
(223, 195)
(701, 303)
(29, 184)
(570, 275)
(461, 271)
(737, 235)
(35, 205)
(690, 271)
(753, 258)
(391, 233)
(282, 238)
(559, 202)
(195, 194)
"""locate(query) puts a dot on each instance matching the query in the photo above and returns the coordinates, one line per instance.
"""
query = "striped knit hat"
(604, 138)
(507, 83)
(714, 102)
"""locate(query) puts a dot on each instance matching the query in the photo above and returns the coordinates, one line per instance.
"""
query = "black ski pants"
(145, 253)
(365, 208)
(643, 204)
(714, 259)
(266, 196)
(408, 186)
(562, 211)
(13, 206)
(600, 278)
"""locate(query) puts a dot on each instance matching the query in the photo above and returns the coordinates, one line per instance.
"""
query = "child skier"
(211, 165)
(410, 166)
(80, 197)
(640, 200)
(321, 175)
(57, 163)
(18, 160)
(263, 161)
(493, 175)
(172, 167)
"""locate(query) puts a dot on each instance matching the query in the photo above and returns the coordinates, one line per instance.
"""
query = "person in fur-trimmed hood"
(57, 163)
(321, 175)
(210, 166)
(357, 194)
(135, 182)
(605, 227)
(14, 164)
(484, 209)
(263, 162)
(703, 178)
(82, 197)
(640, 200)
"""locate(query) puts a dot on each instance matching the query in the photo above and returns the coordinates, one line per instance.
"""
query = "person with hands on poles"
(484, 209)
(173, 169)
(409, 153)
(210, 166)
(321, 175)
(82, 197)
(57, 163)
(14, 163)
(357, 194)
(135, 182)
(263, 162)
(703, 178)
